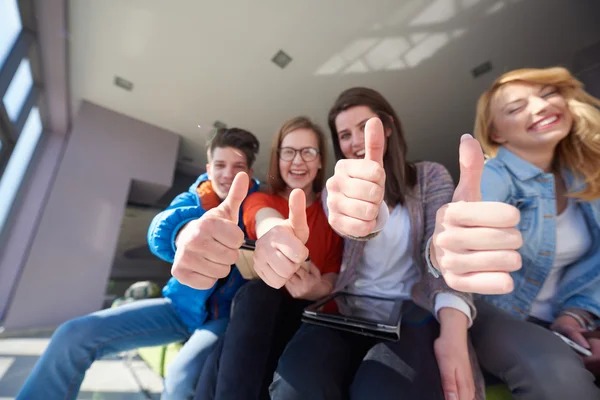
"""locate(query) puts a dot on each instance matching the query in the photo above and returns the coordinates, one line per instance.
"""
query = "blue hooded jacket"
(194, 306)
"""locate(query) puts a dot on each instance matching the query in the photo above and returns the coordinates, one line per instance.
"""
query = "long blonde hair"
(580, 150)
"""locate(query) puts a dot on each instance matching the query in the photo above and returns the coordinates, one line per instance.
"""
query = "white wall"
(70, 259)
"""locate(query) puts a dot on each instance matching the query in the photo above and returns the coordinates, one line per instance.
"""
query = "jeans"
(323, 363)
(77, 343)
(534, 363)
(242, 364)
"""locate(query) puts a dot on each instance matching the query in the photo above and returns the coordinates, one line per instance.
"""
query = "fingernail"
(466, 136)
(451, 396)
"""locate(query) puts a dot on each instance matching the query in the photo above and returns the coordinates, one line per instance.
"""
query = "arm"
(588, 301)
(439, 191)
(266, 219)
(166, 225)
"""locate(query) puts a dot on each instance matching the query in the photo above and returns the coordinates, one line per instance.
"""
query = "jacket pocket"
(528, 208)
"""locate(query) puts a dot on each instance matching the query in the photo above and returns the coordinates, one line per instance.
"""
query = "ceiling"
(194, 62)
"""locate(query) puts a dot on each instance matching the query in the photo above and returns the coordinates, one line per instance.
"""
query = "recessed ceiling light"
(281, 59)
(123, 83)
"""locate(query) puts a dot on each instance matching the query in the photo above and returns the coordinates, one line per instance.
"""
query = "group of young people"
(490, 268)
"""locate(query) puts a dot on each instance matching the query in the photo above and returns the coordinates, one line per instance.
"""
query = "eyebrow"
(364, 121)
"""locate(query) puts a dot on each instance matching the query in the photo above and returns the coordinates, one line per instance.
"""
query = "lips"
(298, 173)
(545, 123)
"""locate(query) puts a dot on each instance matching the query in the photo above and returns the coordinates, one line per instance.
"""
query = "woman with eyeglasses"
(297, 257)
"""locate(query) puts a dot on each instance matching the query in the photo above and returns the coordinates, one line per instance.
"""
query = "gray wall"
(71, 256)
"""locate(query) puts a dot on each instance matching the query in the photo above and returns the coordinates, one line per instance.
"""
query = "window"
(10, 27)
(20, 120)
(17, 91)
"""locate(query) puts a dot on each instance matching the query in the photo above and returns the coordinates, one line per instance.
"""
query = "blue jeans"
(77, 343)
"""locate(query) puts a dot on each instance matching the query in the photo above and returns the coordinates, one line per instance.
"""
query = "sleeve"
(252, 205)
(439, 191)
(335, 254)
(166, 225)
(450, 300)
(587, 300)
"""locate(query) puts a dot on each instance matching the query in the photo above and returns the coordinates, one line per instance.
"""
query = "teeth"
(298, 172)
(360, 153)
(547, 121)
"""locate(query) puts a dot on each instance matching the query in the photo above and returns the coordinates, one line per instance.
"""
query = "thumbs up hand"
(208, 246)
(281, 251)
(357, 188)
(475, 243)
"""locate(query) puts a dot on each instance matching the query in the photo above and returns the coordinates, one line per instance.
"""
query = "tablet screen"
(361, 307)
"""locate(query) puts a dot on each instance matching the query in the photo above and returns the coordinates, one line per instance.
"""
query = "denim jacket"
(510, 179)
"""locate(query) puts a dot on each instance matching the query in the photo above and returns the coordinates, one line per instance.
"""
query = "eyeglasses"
(307, 153)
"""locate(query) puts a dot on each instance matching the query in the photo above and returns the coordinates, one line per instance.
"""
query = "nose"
(358, 140)
(297, 158)
(538, 104)
(229, 172)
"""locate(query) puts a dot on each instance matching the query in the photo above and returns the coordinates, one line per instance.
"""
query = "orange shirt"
(324, 245)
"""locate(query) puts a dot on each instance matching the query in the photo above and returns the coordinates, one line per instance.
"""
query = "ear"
(209, 171)
(250, 173)
(496, 137)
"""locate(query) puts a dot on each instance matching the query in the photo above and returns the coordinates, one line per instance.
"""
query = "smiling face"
(529, 117)
(350, 128)
(224, 165)
(299, 159)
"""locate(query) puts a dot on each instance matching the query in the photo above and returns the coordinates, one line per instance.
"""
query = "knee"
(256, 288)
(552, 372)
(76, 331)
(300, 371)
(556, 374)
(256, 292)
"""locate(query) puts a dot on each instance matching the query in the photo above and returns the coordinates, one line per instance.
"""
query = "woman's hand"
(571, 328)
(475, 242)
(356, 190)
(452, 354)
(308, 284)
(281, 251)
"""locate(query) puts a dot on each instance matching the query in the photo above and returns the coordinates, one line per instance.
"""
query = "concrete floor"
(123, 377)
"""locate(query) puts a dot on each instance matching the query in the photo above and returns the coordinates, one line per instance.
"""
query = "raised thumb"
(374, 140)
(297, 216)
(470, 157)
(237, 193)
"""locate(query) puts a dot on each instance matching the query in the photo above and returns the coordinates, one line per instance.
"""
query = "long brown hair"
(401, 174)
(580, 150)
(274, 179)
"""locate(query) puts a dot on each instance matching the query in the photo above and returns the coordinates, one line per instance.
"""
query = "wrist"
(453, 323)
(585, 319)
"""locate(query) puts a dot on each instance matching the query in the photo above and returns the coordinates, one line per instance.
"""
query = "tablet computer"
(368, 315)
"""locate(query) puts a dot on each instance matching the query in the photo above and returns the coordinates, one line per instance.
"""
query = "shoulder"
(257, 198)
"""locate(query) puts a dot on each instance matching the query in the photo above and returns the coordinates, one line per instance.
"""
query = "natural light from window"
(17, 91)
(10, 27)
(19, 161)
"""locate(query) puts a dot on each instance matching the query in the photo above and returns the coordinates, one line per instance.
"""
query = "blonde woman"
(541, 131)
